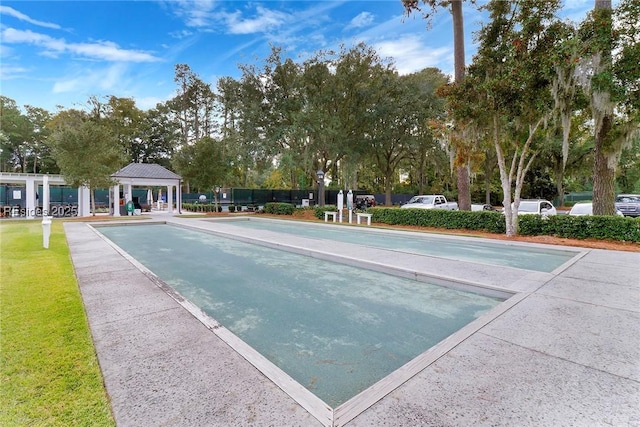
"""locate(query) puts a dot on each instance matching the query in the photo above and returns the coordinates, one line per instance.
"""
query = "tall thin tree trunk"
(387, 188)
(487, 180)
(604, 156)
(462, 155)
(92, 196)
(458, 40)
(559, 174)
(603, 174)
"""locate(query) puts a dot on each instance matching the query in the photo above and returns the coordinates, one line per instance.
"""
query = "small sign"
(130, 207)
(17, 194)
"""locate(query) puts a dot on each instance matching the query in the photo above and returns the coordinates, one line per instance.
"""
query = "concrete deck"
(568, 353)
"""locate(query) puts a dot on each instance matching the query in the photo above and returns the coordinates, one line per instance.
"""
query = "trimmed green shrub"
(198, 207)
(279, 208)
(194, 207)
(492, 222)
(232, 208)
(581, 227)
(575, 227)
(319, 211)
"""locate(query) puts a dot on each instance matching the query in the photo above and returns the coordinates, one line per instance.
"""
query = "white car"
(430, 201)
(536, 207)
(629, 204)
(586, 208)
(476, 207)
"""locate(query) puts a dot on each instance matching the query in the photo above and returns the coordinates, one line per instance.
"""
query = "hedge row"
(492, 222)
(575, 227)
(200, 207)
(279, 208)
(582, 227)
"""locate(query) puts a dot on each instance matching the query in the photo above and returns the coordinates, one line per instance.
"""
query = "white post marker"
(340, 204)
(45, 196)
(46, 230)
(350, 205)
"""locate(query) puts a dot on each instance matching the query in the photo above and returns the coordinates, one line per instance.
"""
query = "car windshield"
(584, 209)
(421, 199)
(528, 207)
(628, 199)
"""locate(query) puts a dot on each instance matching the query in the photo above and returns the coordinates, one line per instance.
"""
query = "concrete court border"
(339, 416)
(416, 408)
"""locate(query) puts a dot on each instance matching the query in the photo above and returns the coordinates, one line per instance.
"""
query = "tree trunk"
(93, 201)
(604, 172)
(510, 212)
(464, 187)
(560, 191)
(461, 154)
(487, 180)
(558, 172)
(458, 40)
(387, 190)
(604, 164)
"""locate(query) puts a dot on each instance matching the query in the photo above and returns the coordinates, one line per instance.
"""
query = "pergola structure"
(31, 182)
(145, 175)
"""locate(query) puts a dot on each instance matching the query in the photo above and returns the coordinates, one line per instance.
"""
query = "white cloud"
(363, 19)
(101, 50)
(411, 55)
(8, 72)
(118, 79)
(181, 34)
(5, 52)
(112, 78)
(265, 20)
(149, 102)
(196, 13)
(6, 10)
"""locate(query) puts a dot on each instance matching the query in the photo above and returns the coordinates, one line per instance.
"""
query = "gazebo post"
(170, 198)
(116, 200)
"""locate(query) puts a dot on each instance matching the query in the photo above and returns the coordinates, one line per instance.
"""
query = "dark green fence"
(63, 195)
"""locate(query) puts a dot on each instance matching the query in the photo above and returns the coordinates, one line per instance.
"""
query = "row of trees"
(544, 106)
(537, 79)
(348, 113)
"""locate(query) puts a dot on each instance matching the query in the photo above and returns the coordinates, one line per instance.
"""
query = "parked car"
(364, 201)
(586, 208)
(628, 204)
(430, 201)
(536, 207)
(481, 207)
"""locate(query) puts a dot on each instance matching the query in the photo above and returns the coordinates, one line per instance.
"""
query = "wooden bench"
(360, 215)
(327, 214)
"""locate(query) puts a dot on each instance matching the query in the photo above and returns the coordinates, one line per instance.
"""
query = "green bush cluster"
(198, 207)
(492, 222)
(575, 227)
(279, 208)
(319, 211)
(581, 227)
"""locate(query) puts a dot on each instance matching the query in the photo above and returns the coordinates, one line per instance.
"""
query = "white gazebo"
(145, 175)
(31, 181)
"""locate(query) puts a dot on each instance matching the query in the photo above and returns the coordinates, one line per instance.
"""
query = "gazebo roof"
(145, 171)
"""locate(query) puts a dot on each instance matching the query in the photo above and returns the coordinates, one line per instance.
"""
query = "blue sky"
(62, 52)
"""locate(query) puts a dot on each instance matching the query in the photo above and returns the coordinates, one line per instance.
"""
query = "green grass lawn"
(49, 374)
